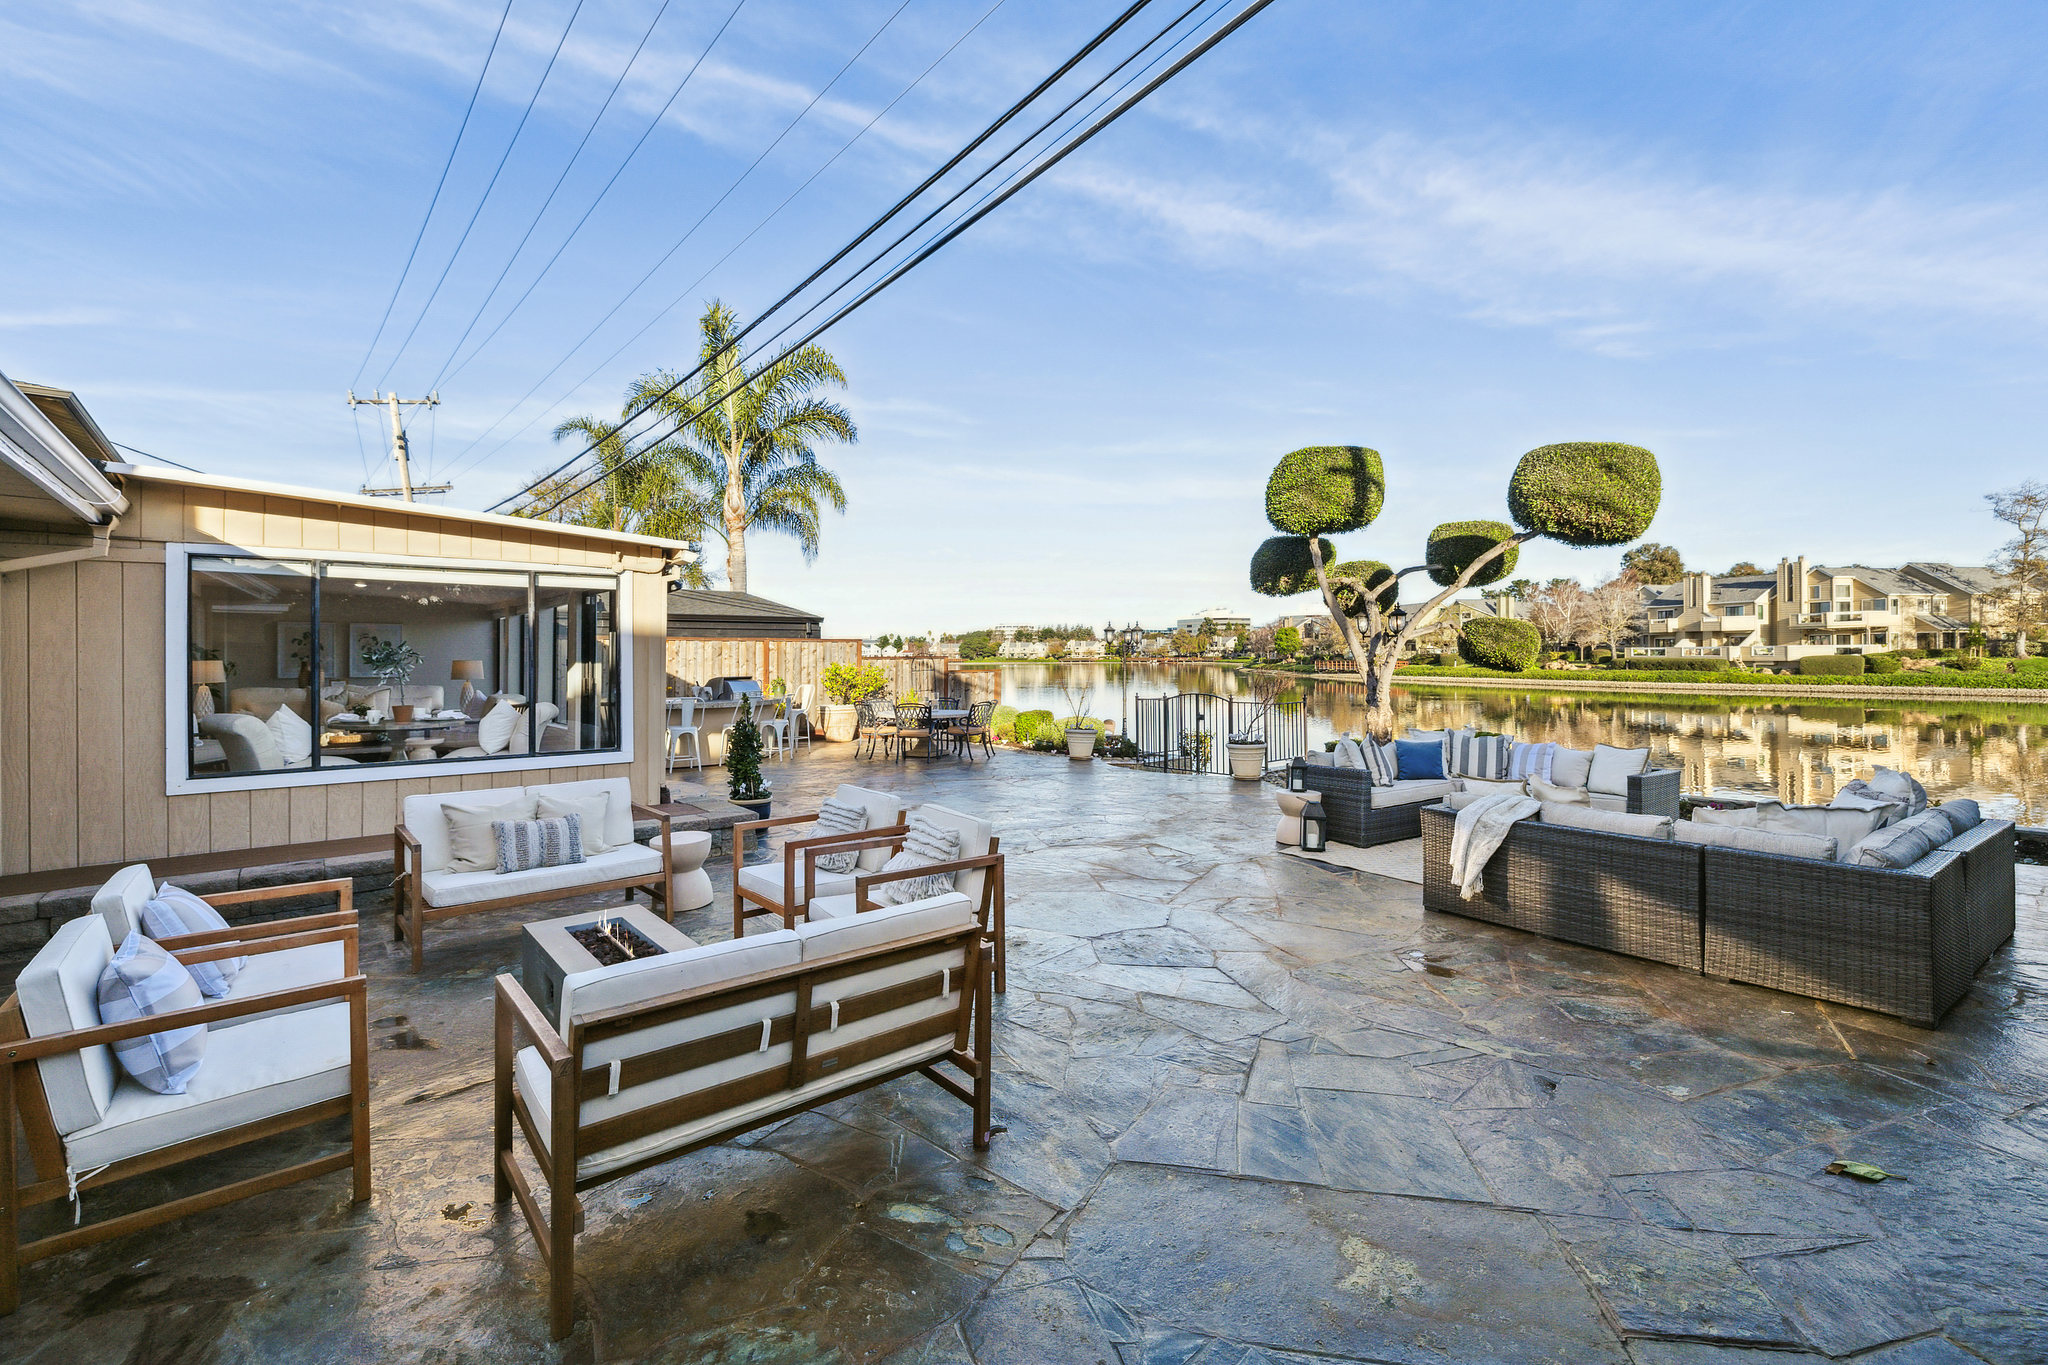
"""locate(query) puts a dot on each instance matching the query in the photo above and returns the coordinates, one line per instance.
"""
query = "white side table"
(689, 883)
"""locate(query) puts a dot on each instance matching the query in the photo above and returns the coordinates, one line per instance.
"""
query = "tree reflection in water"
(1801, 749)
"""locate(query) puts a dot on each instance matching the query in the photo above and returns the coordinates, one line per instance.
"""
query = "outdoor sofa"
(1901, 941)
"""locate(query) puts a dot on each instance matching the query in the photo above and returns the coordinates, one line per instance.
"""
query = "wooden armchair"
(656, 1058)
(87, 1126)
(787, 891)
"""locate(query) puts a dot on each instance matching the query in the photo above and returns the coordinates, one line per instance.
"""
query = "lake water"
(1799, 748)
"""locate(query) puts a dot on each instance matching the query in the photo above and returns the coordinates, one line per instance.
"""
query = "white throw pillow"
(839, 817)
(1349, 755)
(494, 731)
(294, 738)
(141, 982)
(1611, 768)
(1564, 796)
(472, 844)
(173, 912)
(1570, 767)
(926, 842)
(590, 806)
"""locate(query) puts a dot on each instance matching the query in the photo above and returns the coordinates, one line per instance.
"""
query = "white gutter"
(102, 536)
(32, 446)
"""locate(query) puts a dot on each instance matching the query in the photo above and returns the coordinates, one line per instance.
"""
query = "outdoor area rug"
(1401, 861)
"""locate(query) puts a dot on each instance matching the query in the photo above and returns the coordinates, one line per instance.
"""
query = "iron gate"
(1188, 732)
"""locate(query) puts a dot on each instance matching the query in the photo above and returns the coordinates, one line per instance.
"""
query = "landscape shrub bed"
(1831, 666)
(1928, 678)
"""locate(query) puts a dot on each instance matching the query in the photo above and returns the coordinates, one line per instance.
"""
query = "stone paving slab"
(1260, 1112)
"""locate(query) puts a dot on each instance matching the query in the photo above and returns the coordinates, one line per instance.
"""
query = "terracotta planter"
(1247, 761)
(402, 713)
(1081, 743)
(841, 722)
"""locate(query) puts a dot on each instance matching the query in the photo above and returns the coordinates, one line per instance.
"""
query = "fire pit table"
(552, 949)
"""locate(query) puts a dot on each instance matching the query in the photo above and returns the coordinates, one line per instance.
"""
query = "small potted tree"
(1081, 731)
(846, 687)
(394, 661)
(743, 763)
(1247, 751)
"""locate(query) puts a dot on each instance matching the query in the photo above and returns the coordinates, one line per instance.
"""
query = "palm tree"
(647, 489)
(747, 435)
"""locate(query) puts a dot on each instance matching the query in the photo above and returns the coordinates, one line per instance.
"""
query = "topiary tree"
(1581, 493)
(1499, 642)
(743, 756)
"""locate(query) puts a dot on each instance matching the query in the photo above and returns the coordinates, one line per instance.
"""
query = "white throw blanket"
(1481, 826)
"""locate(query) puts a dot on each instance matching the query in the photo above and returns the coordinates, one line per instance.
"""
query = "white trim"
(177, 690)
(672, 550)
(32, 445)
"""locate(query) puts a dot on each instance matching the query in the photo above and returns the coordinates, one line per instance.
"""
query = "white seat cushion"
(268, 973)
(831, 907)
(1606, 821)
(828, 936)
(765, 879)
(120, 899)
(297, 1059)
(1411, 791)
(884, 810)
(1604, 801)
(1782, 842)
(467, 888)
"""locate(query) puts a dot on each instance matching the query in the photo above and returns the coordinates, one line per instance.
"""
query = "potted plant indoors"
(394, 661)
(846, 687)
(1081, 732)
(743, 763)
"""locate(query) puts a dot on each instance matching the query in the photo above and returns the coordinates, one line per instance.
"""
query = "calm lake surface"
(1799, 748)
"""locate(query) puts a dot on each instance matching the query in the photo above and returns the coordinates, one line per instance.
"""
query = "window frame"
(178, 780)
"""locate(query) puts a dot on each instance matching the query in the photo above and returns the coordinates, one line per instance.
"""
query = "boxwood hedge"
(1586, 492)
(1455, 544)
(1500, 643)
(1831, 665)
(1325, 490)
(1281, 567)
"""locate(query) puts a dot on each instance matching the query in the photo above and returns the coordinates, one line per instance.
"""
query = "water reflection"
(1800, 749)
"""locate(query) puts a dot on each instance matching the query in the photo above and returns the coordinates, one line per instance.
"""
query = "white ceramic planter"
(841, 722)
(1081, 743)
(1247, 761)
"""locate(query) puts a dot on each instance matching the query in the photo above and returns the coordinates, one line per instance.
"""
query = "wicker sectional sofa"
(1361, 814)
(1905, 942)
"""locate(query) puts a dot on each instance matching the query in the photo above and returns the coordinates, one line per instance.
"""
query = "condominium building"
(1805, 608)
(1220, 621)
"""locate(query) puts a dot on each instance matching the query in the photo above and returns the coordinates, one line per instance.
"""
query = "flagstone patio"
(1258, 1110)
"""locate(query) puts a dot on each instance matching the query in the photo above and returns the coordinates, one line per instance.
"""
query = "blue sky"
(1796, 251)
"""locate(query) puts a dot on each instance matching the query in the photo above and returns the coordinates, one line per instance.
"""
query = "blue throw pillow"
(1419, 758)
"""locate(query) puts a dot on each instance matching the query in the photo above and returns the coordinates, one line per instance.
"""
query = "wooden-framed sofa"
(425, 889)
(87, 1126)
(651, 1059)
(1901, 941)
(786, 889)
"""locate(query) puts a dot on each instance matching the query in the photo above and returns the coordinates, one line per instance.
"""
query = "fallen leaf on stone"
(1859, 1170)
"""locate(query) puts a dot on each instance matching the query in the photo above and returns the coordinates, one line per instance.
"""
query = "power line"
(158, 458)
(826, 165)
(555, 189)
(942, 240)
(645, 133)
(959, 156)
(431, 202)
(484, 198)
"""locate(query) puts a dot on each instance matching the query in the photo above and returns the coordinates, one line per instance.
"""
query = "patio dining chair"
(875, 727)
(913, 723)
(976, 727)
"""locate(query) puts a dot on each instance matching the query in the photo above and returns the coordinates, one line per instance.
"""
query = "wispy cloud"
(58, 317)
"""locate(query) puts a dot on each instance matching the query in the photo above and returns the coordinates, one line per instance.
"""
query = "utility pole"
(392, 401)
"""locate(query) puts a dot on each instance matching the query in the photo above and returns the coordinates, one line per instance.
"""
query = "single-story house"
(182, 654)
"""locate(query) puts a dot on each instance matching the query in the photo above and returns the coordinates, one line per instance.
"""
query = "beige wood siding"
(82, 705)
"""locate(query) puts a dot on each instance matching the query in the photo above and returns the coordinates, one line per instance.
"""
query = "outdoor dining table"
(942, 716)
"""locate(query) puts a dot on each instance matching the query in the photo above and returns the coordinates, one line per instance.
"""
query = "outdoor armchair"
(785, 888)
(88, 1126)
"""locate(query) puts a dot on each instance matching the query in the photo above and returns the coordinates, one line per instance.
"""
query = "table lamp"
(205, 673)
(468, 672)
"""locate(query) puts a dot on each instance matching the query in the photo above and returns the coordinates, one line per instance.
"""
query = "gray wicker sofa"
(1906, 942)
(1361, 814)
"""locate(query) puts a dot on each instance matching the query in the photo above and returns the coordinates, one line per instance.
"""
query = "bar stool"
(683, 727)
(776, 725)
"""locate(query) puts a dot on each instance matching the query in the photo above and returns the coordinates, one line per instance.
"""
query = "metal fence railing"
(1188, 732)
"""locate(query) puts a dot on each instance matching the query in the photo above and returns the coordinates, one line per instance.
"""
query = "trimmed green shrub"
(1831, 665)
(1281, 567)
(1586, 492)
(1026, 728)
(1659, 665)
(1500, 643)
(1882, 663)
(1004, 722)
(1455, 544)
(1963, 663)
(1371, 573)
(1325, 490)
(2033, 663)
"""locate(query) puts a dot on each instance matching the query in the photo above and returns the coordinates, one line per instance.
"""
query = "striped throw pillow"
(839, 817)
(1380, 763)
(141, 982)
(174, 911)
(1481, 756)
(927, 842)
(1531, 760)
(524, 845)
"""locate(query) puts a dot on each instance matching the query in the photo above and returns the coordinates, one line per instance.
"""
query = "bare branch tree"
(2023, 559)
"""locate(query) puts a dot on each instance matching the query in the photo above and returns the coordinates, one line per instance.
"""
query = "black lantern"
(1297, 776)
(1398, 618)
(1315, 835)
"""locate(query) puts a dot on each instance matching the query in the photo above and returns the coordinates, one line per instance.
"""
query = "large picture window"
(327, 665)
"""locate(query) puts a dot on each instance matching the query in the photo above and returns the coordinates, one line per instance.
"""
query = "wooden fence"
(801, 662)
